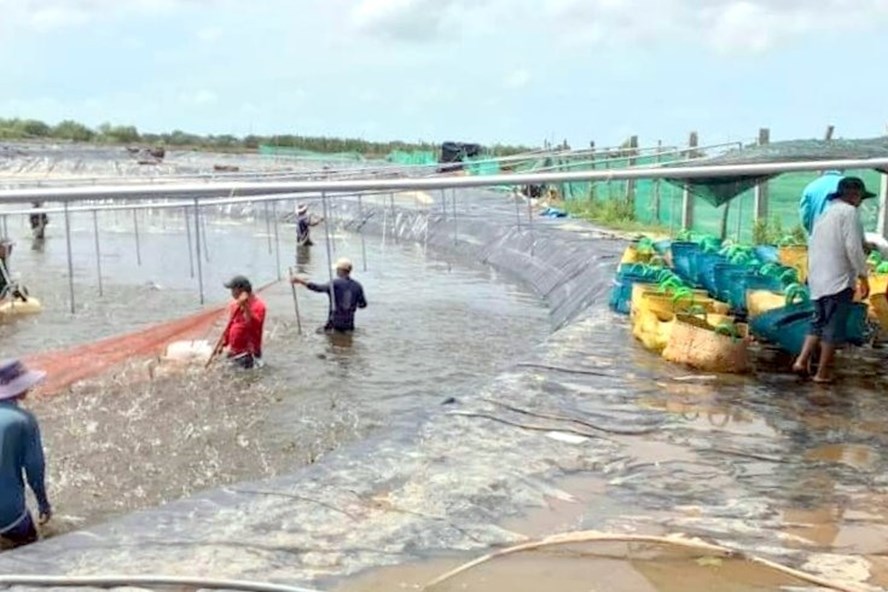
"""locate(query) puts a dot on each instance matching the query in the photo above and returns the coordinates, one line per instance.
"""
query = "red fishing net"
(81, 362)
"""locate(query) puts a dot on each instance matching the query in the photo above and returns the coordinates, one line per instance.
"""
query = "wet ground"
(125, 442)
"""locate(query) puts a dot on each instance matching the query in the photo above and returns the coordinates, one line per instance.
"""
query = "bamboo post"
(760, 205)
(687, 201)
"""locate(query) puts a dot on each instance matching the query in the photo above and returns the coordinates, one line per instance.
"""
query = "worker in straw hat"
(304, 222)
(347, 295)
(21, 451)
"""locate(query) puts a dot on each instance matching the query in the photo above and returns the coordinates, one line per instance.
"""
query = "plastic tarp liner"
(719, 190)
(433, 480)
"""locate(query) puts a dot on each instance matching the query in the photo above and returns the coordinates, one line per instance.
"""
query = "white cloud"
(518, 79)
(199, 97)
(210, 34)
(49, 15)
(407, 20)
(723, 25)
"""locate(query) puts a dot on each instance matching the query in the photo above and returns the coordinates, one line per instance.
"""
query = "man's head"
(16, 380)
(238, 285)
(852, 190)
(343, 267)
(301, 209)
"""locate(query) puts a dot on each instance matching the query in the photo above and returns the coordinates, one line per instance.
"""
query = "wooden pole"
(655, 194)
(760, 206)
(631, 161)
(882, 218)
(592, 159)
(687, 202)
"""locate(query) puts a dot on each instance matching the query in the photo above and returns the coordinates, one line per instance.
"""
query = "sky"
(507, 71)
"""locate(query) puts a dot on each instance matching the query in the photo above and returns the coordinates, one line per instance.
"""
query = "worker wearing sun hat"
(304, 222)
(836, 268)
(347, 295)
(21, 452)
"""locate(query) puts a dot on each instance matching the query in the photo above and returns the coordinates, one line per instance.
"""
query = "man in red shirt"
(247, 317)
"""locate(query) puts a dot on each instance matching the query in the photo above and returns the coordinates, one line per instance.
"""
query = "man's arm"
(852, 230)
(35, 467)
(362, 302)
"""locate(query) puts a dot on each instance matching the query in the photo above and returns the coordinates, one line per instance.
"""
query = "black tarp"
(719, 190)
(457, 152)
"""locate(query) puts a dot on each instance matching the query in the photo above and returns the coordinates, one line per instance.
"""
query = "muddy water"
(433, 328)
(582, 568)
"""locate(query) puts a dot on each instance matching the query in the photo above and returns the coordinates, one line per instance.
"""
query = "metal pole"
(138, 244)
(5, 227)
(277, 240)
(739, 216)
(70, 259)
(268, 230)
(98, 251)
(200, 285)
(361, 231)
(517, 209)
(205, 233)
(188, 236)
(295, 303)
(329, 253)
(530, 225)
(444, 204)
(453, 195)
(394, 217)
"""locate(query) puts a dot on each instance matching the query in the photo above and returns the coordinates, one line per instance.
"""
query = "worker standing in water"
(347, 297)
(304, 222)
(38, 221)
(836, 263)
(21, 453)
(243, 337)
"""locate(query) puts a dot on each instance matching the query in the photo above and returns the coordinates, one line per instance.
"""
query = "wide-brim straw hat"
(15, 379)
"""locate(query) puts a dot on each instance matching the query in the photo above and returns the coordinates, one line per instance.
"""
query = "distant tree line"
(68, 130)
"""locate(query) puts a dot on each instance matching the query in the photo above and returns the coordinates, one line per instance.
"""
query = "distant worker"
(21, 453)
(243, 337)
(348, 296)
(304, 222)
(815, 198)
(5, 280)
(39, 221)
(836, 263)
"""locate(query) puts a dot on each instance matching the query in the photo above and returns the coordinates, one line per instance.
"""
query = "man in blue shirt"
(816, 196)
(347, 297)
(21, 452)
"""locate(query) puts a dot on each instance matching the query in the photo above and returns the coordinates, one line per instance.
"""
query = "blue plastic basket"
(684, 260)
(791, 333)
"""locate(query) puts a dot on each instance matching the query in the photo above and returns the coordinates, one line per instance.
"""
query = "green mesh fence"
(412, 158)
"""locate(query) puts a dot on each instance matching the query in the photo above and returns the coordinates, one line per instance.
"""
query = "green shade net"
(719, 190)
